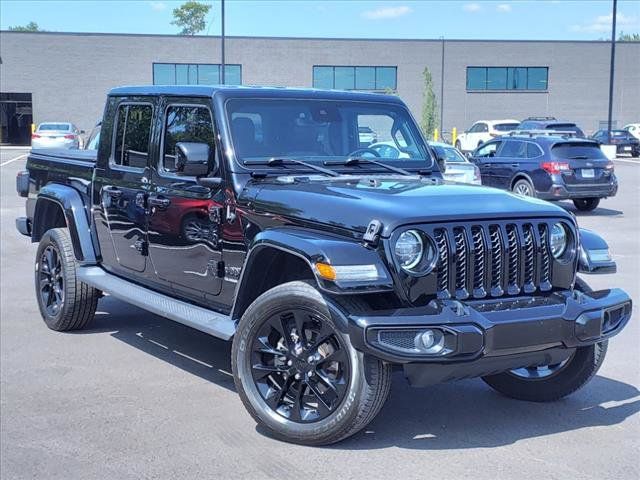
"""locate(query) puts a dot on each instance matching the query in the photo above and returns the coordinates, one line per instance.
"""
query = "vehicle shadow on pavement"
(598, 212)
(468, 414)
(190, 350)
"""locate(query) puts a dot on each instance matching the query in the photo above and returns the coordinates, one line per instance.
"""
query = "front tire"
(549, 383)
(586, 204)
(65, 302)
(297, 372)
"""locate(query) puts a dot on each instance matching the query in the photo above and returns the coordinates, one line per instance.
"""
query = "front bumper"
(489, 336)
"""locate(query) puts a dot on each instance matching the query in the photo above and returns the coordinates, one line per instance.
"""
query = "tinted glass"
(185, 124)
(365, 78)
(517, 78)
(354, 78)
(54, 126)
(385, 78)
(533, 150)
(164, 74)
(317, 130)
(565, 127)
(476, 78)
(94, 139)
(232, 75)
(487, 150)
(323, 77)
(345, 78)
(505, 127)
(496, 78)
(514, 149)
(577, 151)
(537, 78)
(450, 154)
(208, 74)
(133, 128)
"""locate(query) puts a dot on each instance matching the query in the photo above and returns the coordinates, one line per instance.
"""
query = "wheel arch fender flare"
(311, 248)
(74, 210)
(521, 176)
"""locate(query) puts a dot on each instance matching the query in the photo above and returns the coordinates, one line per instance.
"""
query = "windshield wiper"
(278, 162)
(358, 160)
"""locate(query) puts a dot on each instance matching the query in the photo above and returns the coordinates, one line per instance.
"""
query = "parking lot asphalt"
(138, 396)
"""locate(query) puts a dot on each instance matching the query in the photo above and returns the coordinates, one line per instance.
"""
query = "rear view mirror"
(192, 159)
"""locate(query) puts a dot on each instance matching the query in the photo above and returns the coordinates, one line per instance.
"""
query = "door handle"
(515, 165)
(486, 165)
(159, 202)
(113, 192)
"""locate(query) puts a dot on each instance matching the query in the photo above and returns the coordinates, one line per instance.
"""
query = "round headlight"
(558, 240)
(408, 249)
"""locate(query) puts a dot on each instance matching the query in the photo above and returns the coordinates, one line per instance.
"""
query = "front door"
(485, 158)
(185, 218)
(124, 188)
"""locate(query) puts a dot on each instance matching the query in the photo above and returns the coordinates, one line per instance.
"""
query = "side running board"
(206, 321)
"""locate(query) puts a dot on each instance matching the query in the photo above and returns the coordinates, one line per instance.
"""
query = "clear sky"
(482, 19)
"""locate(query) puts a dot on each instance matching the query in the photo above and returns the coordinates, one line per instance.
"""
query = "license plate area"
(588, 173)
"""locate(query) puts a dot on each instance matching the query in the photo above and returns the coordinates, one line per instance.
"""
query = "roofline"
(329, 39)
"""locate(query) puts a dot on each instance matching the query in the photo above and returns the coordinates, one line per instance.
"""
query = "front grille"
(491, 260)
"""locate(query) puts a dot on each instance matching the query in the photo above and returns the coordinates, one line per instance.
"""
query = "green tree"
(191, 17)
(629, 37)
(29, 27)
(429, 105)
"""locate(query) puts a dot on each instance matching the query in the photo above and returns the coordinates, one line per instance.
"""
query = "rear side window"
(505, 127)
(514, 149)
(533, 150)
(133, 129)
(576, 151)
(185, 123)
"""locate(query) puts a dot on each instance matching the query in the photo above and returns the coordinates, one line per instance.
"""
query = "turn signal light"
(326, 271)
(555, 167)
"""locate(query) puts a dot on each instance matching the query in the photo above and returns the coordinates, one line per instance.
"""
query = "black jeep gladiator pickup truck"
(260, 215)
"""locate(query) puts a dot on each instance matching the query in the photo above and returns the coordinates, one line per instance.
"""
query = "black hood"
(352, 202)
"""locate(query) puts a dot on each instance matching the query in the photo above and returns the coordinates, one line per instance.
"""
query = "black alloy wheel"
(300, 366)
(51, 280)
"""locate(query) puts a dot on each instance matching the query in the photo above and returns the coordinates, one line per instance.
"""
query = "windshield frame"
(414, 166)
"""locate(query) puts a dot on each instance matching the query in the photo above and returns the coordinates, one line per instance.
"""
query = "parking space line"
(637, 162)
(13, 159)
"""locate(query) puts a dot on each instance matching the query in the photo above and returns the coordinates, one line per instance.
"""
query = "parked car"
(549, 167)
(624, 141)
(367, 136)
(456, 166)
(483, 131)
(633, 129)
(57, 135)
(325, 268)
(551, 123)
(94, 138)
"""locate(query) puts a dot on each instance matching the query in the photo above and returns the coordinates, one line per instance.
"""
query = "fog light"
(430, 341)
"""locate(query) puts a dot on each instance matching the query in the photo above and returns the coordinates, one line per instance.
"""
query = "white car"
(483, 131)
(457, 167)
(633, 129)
(57, 135)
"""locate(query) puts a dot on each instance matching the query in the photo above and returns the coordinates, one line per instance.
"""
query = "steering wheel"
(360, 151)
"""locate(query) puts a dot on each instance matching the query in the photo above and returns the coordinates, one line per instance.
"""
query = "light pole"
(611, 71)
(222, 69)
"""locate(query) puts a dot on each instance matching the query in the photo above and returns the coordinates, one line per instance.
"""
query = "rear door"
(185, 218)
(123, 186)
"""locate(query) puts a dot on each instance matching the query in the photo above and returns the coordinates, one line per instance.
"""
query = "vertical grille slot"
(513, 263)
(443, 263)
(529, 251)
(479, 264)
(461, 248)
(545, 257)
(496, 261)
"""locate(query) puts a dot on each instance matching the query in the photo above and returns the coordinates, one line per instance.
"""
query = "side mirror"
(192, 159)
(442, 164)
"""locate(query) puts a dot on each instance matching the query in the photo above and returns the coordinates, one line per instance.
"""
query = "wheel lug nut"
(297, 376)
(311, 374)
(289, 363)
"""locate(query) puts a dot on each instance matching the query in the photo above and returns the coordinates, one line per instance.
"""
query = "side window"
(474, 128)
(488, 150)
(514, 149)
(533, 150)
(482, 127)
(133, 129)
(185, 123)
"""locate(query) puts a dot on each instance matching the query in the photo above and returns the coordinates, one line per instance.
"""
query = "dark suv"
(624, 141)
(550, 123)
(550, 167)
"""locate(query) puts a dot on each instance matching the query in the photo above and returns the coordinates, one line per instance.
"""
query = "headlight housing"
(408, 249)
(558, 241)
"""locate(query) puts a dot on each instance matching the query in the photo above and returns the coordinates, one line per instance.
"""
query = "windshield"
(54, 126)
(324, 130)
(577, 151)
(449, 154)
(505, 127)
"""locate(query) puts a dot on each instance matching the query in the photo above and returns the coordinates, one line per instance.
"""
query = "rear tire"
(65, 303)
(279, 331)
(552, 384)
(586, 204)
(523, 187)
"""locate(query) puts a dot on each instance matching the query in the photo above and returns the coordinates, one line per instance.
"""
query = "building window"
(507, 78)
(195, 74)
(355, 78)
